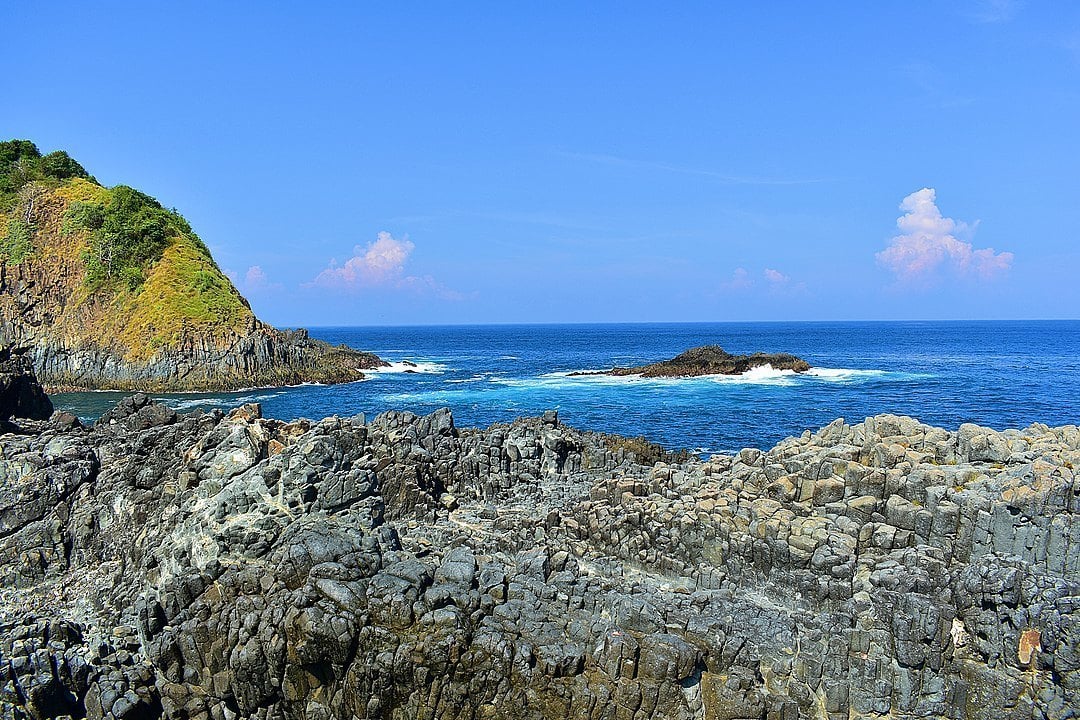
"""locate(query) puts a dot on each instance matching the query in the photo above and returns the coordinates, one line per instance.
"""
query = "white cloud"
(740, 280)
(775, 276)
(253, 282)
(769, 279)
(255, 278)
(380, 263)
(429, 284)
(928, 243)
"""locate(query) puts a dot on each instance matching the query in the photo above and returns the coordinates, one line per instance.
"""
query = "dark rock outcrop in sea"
(211, 566)
(20, 394)
(707, 360)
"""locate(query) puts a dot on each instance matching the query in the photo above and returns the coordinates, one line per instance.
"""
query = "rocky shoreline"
(213, 566)
(706, 360)
(265, 357)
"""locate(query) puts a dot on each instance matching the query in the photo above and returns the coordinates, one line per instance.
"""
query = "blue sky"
(400, 163)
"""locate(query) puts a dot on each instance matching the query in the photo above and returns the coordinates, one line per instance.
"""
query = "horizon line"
(679, 322)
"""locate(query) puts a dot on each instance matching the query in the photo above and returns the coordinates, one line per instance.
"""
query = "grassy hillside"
(134, 271)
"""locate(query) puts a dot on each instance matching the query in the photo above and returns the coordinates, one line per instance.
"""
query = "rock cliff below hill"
(708, 360)
(110, 290)
(218, 566)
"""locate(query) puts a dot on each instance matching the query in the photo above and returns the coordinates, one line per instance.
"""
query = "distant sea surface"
(999, 374)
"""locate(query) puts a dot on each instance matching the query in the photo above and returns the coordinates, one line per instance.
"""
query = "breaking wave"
(410, 367)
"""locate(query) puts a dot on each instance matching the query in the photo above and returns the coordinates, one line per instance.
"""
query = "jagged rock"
(229, 566)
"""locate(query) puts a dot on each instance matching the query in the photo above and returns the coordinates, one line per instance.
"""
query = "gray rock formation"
(263, 357)
(20, 394)
(218, 567)
(708, 360)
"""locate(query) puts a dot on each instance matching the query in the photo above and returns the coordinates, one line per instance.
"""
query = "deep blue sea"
(1000, 374)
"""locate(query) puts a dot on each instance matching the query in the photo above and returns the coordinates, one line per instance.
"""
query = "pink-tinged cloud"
(254, 281)
(380, 263)
(740, 280)
(428, 284)
(928, 244)
(255, 278)
(768, 280)
(775, 276)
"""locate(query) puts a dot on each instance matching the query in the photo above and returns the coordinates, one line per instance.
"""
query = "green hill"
(110, 289)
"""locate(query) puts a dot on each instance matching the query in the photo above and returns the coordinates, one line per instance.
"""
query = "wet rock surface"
(708, 360)
(160, 565)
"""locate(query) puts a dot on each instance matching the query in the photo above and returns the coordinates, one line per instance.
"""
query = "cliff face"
(109, 290)
(210, 566)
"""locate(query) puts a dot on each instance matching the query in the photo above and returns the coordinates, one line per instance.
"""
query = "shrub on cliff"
(21, 162)
(17, 243)
(127, 233)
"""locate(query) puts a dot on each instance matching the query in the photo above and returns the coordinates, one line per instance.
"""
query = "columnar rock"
(228, 566)
(20, 394)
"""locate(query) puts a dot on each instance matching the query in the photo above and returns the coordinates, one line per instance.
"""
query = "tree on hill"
(127, 233)
(21, 162)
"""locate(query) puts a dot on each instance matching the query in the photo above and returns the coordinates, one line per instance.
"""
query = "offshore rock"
(708, 360)
(20, 394)
(213, 566)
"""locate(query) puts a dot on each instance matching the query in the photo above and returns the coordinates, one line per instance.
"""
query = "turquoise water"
(1000, 374)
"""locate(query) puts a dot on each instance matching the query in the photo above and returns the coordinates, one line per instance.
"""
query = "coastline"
(549, 541)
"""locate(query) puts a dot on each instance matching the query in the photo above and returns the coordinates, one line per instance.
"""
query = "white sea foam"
(230, 401)
(409, 366)
(761, 375)
(202, 402)
(473, 379)
(843, 373)
(560, 380)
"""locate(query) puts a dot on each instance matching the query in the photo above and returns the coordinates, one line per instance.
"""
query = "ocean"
(998, 374)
